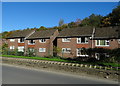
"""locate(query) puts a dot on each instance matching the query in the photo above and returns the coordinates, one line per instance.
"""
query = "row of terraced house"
(70, 41)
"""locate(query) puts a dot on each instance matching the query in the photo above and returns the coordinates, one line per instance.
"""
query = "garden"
(104, 57)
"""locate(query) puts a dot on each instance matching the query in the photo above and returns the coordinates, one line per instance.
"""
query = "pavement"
(12, 74)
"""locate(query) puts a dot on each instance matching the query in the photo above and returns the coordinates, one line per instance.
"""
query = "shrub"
(31, 52)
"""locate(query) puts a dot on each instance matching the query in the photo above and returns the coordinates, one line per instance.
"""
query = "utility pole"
(93, 37)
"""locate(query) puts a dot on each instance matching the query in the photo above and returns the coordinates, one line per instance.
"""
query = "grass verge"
(62, 60)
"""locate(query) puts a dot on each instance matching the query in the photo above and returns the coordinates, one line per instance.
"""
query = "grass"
(112, 64)
(62, 60)
(37, 58)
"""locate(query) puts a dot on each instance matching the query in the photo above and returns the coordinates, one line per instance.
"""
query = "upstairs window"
(82, 40)
(12, 40)
(119, 41)
(66, 39)
(31, 42)
(66, 50)
(21, 40)
(102, 42)
(42, 40)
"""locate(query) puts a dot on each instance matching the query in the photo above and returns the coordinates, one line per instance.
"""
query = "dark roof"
(42, 34)
(18, 34)
(107, 32)
(73, 32)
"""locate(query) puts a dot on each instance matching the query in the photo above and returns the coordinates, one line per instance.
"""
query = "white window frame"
(20, 48)
(41, 40)
(12, 47)
(42, 49)
(19, 40)
(118, 41)
(12, 40)
(97, 56)
(31, 43)
(80, 54)
(67, 50)
(79, 40)
(66, 39)
(102, 45)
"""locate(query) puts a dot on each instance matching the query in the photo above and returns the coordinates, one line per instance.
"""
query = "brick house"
(72, 41)
(17, 40)
(107, 37)
(42, 42)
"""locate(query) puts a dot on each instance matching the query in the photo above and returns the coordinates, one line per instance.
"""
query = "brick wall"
(113, 44)
(15, 43)
(48, 45)
(73, 45)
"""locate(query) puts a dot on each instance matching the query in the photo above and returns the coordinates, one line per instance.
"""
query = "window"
(102, 42)
(97, 56)
(12, 40)
(82, 40)
(81, 52)
(66, 50)
(31, 49)
(21, 40)
(66, 39)
(42, 40)
(21, 49)
(42, 49)
(12, 47)
(119, 41)
(31, 42)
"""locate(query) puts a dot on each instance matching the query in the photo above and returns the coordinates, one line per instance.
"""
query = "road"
(22, 75)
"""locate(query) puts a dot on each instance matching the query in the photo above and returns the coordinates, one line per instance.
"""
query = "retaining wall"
(99, 71)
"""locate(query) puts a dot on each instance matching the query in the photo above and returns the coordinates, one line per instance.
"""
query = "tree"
(92, 20)
(61, 22)
(113, 18)
(42, 28)
(71, 24)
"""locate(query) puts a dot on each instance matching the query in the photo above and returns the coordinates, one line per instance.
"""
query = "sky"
(21, 15)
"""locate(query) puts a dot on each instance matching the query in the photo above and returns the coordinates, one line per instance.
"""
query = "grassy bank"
(62, 60)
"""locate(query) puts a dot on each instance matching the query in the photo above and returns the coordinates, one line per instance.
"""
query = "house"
(17, 40)
(42, 42)
(107, 37)
(72, 41)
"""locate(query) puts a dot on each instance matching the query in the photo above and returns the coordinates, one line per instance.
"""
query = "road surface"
(21, 75)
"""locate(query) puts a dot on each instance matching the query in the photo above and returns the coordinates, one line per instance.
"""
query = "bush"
(114, 55)
(31, 52)
(20, 53)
